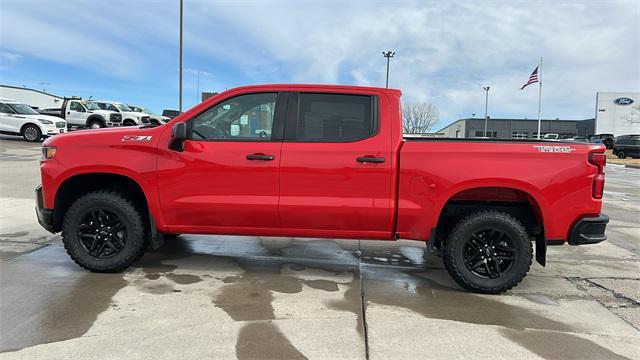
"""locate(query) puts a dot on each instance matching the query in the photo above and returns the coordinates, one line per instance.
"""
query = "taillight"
(599, 159)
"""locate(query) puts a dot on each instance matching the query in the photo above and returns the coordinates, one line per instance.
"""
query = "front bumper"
(589, 230)
(45, 216)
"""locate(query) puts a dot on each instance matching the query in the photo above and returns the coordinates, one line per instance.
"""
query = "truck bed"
(556, 176)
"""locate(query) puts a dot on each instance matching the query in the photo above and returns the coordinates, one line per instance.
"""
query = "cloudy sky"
(445, 50)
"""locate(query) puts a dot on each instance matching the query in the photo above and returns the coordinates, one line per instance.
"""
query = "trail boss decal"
(136, 138)
(554, 148)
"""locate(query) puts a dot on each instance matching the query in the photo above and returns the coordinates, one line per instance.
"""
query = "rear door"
(335, 170)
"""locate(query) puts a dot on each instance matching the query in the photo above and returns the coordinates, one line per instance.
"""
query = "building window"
(520, 135)
(490, 134)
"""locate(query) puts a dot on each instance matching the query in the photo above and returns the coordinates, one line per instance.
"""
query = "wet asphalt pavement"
(288, 298)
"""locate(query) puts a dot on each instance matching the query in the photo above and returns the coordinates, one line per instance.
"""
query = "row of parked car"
(17, 118)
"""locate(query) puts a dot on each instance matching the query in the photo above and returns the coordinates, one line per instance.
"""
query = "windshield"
(23, 109)
(91, 106)
(145, 110)
(123, 107)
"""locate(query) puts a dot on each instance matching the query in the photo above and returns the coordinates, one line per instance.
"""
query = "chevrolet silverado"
(320, 161)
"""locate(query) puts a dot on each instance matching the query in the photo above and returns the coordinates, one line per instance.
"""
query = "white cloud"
(9, 56)
(445, 51)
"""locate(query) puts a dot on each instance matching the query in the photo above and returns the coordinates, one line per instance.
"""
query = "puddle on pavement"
(249, 296)
(62, 306)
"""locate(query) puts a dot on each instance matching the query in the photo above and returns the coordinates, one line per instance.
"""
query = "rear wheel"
(129, 123)
(621, 155)
(103, 232)
(488, 252)
(31, 133)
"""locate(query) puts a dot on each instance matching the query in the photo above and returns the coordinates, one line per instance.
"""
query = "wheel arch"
(80, 184)
(525, 205)
(96, 117)
(29, 123)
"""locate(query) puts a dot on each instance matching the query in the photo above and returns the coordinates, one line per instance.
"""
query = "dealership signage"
(623, 101)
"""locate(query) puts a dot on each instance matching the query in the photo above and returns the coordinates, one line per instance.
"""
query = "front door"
(226, 179)
(8, 122)
(76, 113)
(336, 167)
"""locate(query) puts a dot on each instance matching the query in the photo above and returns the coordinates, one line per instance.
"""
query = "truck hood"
(105, 137)
(101, 112)
(53, 119)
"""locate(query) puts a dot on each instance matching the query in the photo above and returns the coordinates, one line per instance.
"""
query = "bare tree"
(418, 117)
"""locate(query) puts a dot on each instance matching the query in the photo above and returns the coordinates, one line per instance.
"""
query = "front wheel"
(95, 124)
(488, 252)
(103, 232)
(31, 133)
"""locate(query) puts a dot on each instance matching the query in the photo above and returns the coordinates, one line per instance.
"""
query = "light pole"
(486, 108)
(388, 55)
(180, 99)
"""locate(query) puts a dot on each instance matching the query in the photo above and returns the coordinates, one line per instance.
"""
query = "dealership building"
(517, 128)
(617, 113)
(31, 97)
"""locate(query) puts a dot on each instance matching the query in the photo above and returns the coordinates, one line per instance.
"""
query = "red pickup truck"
(319, 161)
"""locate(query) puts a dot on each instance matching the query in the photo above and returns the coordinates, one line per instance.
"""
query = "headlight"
(46, 122)
(48, 152)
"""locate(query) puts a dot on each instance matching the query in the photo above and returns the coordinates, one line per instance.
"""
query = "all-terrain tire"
(126, 212)
(454, 257)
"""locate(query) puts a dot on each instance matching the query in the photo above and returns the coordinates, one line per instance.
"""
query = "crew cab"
(333, 164)
(84, 114)
(17, 118)
(129, 116)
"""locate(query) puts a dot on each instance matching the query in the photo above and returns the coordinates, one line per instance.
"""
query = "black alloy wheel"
(101, 233)
(104, 231)
(489, 253)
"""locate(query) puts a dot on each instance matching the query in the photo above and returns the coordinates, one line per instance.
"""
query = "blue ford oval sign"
(623, 101)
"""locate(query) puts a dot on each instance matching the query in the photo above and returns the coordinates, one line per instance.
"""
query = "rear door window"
(336, 117)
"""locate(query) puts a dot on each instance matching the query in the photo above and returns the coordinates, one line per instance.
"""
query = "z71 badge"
(136, 138)
(554, 148)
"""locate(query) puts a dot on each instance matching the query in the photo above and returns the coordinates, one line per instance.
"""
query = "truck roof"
(323, 87)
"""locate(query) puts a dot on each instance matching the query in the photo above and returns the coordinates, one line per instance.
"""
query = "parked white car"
(129, 117)
(17, 118)
(153, 117)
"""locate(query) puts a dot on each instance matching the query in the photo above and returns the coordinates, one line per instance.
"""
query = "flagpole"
(539, 96)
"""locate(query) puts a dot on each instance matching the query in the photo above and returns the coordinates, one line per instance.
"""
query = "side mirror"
(178, 136)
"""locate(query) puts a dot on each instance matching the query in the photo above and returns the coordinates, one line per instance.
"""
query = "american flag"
(533, 78)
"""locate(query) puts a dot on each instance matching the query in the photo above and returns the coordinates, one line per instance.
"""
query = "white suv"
(17, 118)
(129, 117)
